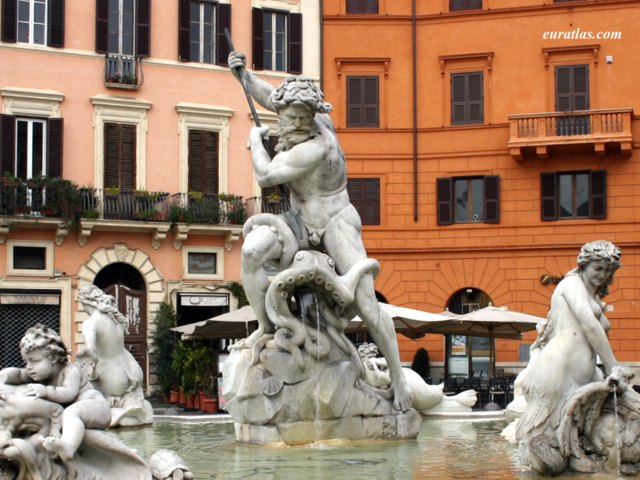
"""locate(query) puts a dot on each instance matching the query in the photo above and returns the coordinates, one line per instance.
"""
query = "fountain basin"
(447, 446)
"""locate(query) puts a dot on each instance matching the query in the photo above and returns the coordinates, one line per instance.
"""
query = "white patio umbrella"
(490, 321)
(409, 322)
(235, 324)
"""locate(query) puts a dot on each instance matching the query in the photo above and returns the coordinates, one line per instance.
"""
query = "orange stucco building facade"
(501, 135)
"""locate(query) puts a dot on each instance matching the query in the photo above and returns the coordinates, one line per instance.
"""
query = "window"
(362, 6)
(566, 195)
(120, 156)
(363, 102)
(364, 194)
(199, 126)
(37, 22)
(31, 147)
(122, 27)
(30, 257)
(203, 263)
(201, 37)
(466, 98)
(572, 93)
(277, 40)
(455, 5)
(468, 199)
(203, 161)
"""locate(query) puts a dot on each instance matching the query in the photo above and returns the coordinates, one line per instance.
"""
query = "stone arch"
(120, 252)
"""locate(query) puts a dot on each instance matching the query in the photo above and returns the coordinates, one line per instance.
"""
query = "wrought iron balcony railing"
(537, 133)
(122, 71)
(196, 207)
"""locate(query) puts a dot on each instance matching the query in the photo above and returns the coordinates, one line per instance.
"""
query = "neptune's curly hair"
(300, 90)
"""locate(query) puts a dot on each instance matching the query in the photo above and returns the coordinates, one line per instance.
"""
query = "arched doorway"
(127, 285)
(468, 356)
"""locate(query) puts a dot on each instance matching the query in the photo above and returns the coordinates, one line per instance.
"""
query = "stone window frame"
(48, 271)
(214, 118)
(108, 109)
(219, 253)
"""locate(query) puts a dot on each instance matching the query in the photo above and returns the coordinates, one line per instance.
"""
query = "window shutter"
(444, 194)
(491, 199)
(258, 39)
(56, 24)
(364, 194)
(7, 143)
(102, 26)
(184, 28)
(10, 21)
(563, 89)
(224, 21)
(54, 147)
(371, 102)
(195, 161)
(203, 161)
(143, 18)
(580, 87)
(458, 89)
(354, 105)
(120, 156)
(354, 6)
(548, 196)
(128, 159)
(294, 40)
(475, 96)
(598, 190)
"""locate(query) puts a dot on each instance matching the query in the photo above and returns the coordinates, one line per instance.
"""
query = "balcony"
(59, 204)
(122, 71)
(542, 134)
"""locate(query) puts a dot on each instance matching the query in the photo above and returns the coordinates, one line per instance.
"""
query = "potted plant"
(163, 342)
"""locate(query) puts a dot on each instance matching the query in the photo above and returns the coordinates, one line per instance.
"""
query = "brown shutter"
(195, 161)
(210, 163)
(143, 33)
(102, 26)
(294, 40)
(491, 199)
(354, 104)
(184, 29)
(120, 156)
(475, 96)
(7, 143)
(444, 202)
(10, 21)
(458, 104)
(55, 23)
(128, 159)
(548, 196)
(364, 194)
(224, 22)
(203, 161)
(363, 102)
(598, 191)
(258, 39)
(55, 129)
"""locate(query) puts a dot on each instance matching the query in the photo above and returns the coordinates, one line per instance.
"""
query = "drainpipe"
(415, 111)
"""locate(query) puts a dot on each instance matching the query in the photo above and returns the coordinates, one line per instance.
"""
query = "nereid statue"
(116, 374)
(53, 422)
(299, 367)
(576, 417)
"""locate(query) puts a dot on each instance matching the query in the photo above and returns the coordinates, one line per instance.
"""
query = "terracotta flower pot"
(174, 396)
(190, 402)
(210, 405)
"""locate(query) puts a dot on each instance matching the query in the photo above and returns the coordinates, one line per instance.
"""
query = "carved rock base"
(389, 427)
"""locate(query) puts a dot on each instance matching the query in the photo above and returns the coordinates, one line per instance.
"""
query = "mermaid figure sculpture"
(577, 417)
(117, 374)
